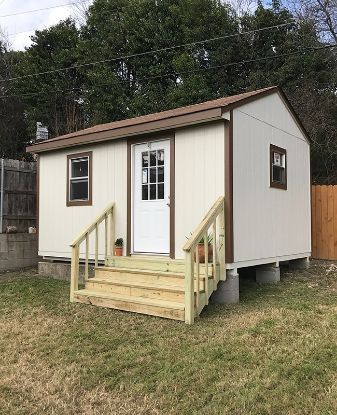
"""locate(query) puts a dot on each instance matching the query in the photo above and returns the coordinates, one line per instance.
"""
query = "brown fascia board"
(127, 131)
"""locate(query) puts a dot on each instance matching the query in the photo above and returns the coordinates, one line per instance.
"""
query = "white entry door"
(151, 197)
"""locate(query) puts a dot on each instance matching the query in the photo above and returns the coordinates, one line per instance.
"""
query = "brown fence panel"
(324, 222)
(18, 194)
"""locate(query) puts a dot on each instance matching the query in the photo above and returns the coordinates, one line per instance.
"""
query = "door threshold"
(149, 255)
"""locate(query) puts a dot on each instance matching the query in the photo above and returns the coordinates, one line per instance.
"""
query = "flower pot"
(201, 252)
(118, 251)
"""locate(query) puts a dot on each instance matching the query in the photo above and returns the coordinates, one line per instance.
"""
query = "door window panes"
(153, 176)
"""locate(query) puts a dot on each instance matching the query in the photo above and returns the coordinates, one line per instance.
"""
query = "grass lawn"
(274, 353)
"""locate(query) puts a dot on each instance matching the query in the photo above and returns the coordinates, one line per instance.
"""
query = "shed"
(232, 174)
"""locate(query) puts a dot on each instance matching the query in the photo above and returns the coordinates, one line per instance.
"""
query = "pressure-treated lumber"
(154, 307)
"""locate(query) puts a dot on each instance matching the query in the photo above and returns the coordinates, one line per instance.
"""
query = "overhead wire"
(247, 61)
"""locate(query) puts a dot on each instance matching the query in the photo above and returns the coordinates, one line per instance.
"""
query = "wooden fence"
(324, 222)
(18, 194)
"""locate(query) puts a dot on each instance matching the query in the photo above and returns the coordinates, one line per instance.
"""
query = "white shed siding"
(199, 176)
(59, 224)
(269, 222)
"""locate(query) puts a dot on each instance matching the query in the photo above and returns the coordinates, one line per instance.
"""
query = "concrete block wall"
(18, 250)
(61, 270)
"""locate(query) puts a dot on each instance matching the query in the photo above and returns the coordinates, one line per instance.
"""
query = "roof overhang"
(209, 111)
(209, 115)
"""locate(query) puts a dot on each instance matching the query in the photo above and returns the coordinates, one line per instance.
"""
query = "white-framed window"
(278, 167)
(153, 174)
(79, 189)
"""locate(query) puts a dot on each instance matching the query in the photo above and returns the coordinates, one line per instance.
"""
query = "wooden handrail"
(99, 218)
(204, 224)
(213, 220)
(109, 238)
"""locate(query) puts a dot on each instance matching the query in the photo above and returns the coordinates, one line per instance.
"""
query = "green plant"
(119, 242)
(209, 240)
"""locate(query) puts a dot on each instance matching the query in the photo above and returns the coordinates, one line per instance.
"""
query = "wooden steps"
(154, 286)
(160, 308)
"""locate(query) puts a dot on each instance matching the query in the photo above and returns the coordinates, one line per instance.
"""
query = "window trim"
(282, 151)
(87, 202)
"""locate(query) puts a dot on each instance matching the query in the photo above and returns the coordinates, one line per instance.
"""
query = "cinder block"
(16, 253)
(3, 243)
(61, 270)
(21, 237)
(3, 255)
(227, 291)
(30, 254)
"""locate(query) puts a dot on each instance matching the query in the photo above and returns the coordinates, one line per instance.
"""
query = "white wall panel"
(269, 222)
(59, 224)
(199, 176)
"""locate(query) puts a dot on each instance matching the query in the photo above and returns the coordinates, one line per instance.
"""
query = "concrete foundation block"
(61, 270)
(268, 274)
(227, 291)
(301, 263)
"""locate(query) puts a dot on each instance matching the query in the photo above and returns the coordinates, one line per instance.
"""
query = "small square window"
(278, 167)
(79, 168)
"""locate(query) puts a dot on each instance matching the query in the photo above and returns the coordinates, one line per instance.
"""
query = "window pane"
(79, 190)
(145, 159)
(145, 176)
(153, 195)
(160, 174)
(161, 191)
(153, 175)
(160, 157)
(153, 158)
(79, 168)
(278, 174)
(145, 192)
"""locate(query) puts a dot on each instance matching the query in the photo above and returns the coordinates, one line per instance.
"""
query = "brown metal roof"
(159, 121)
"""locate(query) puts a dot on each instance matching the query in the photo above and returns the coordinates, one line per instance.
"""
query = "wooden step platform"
(153, 307)
(154, 286)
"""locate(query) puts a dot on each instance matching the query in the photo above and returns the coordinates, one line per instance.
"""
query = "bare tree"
(243, 6)
(80, 9)
(323, 13)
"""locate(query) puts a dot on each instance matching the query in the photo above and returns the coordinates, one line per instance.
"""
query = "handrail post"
(96, 245)
(74, 271)
(189, 288)
(112, 231)
(197, 283)
(86, 271)
(215, 256)
(206, 266)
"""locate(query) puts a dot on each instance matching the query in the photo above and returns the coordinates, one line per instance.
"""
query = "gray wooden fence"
(18, 194)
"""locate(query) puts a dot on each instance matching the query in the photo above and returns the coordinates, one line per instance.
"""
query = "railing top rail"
(204, 224)
(99, 218)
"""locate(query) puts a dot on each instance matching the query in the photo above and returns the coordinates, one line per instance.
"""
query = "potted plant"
(201, 249)
(119, 247)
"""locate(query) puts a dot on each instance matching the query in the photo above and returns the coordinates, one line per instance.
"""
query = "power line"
(247, 61)
(147, 52)
(42, 9)
(264, 58)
